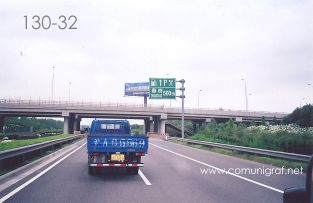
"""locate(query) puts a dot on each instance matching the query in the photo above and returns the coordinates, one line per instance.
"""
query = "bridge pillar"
(155, 124)
(68, 126)
(151, 129)
(194, 126)
(161, 123)
(77, 124)
(71, 124)
(161, 126)
(65, 125)
(1, 124)
(146, 125)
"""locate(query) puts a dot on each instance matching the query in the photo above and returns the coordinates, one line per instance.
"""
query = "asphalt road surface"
(172, 173)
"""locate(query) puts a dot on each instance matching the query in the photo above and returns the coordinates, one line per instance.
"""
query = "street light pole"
(69, 92)
(52, 82)
(309, 84)
(246, 94)
(199, 97)
(301, 102)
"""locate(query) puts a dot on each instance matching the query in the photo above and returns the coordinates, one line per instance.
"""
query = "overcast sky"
(211, 44)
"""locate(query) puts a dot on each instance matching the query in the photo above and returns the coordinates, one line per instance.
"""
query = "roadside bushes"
(288, 138)
(136, 129)
(1, 136)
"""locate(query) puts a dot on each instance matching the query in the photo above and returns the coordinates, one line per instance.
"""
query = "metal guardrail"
(271, 153)
(31, 148)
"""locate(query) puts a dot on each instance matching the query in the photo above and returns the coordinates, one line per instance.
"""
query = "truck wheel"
(91, 170)
(133, 170)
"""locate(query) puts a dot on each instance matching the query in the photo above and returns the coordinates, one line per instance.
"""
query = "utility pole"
(182, 96)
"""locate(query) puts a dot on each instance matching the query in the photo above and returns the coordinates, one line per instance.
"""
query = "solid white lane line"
(144, 178)
(37, 176)
(216, 168)
(44, 161)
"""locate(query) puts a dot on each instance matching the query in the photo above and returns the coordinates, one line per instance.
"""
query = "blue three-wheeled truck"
(111, 144)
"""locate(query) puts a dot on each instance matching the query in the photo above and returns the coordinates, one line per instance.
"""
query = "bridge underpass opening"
(137, 125)
(173, 127)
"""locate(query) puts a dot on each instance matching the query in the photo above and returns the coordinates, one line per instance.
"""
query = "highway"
(171, 174)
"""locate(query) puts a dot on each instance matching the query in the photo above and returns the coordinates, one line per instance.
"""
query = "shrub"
(289, 138)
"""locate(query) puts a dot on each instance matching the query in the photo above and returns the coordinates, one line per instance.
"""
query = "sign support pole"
(182, 96)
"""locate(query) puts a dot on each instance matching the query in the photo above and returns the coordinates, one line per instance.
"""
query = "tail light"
(140, 154)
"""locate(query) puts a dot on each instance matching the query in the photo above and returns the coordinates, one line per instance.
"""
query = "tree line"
(25, 124)
(302, 117)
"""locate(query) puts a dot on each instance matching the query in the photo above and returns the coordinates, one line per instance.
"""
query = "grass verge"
(251, 157)
(37, 156)
(22, 143)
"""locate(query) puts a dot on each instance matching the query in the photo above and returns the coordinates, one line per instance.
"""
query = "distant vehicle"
(111, 144)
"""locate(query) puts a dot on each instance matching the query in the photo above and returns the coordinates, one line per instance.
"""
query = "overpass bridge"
(154, 116)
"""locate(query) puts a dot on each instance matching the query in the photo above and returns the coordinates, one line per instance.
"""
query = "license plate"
(117, 157)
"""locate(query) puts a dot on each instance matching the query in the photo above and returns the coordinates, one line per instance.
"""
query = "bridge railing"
(55, 104)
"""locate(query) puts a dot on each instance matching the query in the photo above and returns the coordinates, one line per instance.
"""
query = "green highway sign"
(162, 88)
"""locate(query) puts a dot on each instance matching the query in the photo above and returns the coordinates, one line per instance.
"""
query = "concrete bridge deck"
(154, 116)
